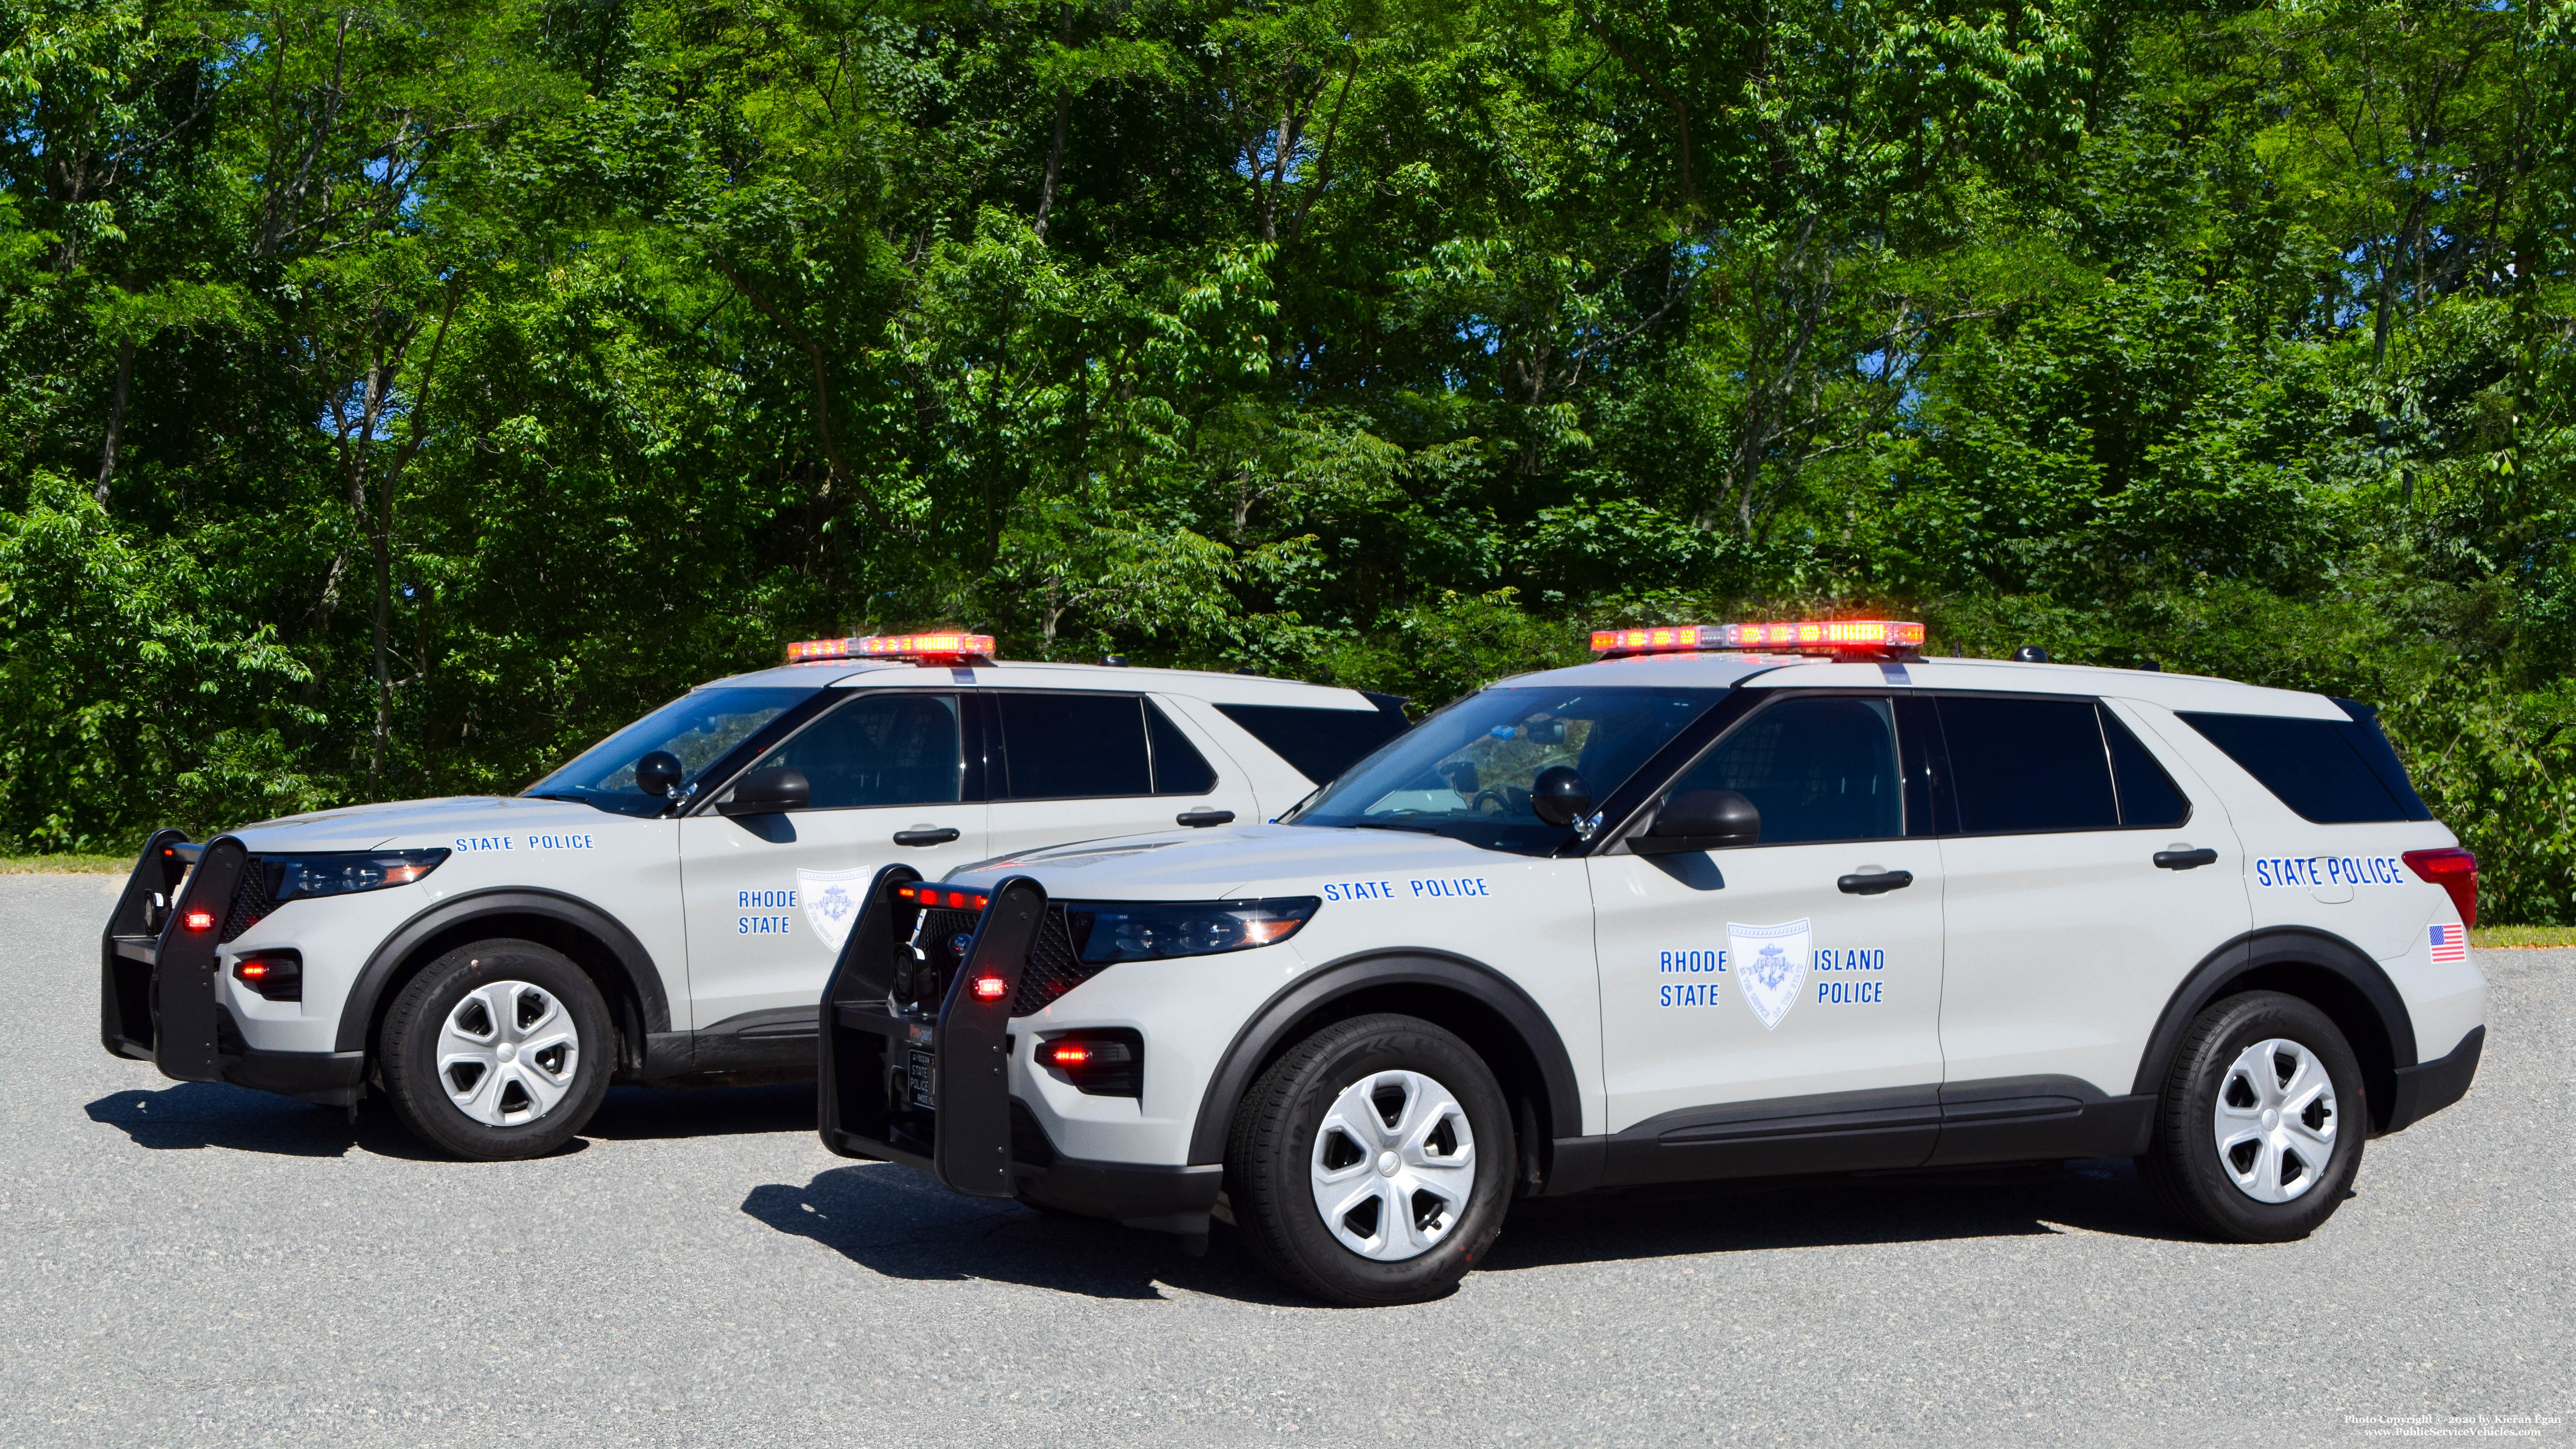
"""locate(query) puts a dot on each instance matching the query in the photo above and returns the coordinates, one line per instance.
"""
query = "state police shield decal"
(1770, 965)
(831, 900)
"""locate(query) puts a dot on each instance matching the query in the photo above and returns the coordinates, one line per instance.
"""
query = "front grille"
(251, 904)
(1053, 967)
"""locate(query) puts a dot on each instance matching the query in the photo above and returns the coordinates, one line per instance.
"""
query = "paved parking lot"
(191, 1264)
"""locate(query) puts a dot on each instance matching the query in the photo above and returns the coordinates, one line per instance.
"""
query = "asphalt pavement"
(189, 1264)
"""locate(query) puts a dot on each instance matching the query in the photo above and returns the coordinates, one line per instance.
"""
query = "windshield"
(1466, 771)
(701, 727)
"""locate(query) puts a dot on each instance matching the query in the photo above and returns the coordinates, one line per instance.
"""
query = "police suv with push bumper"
(665, 907)
(1732, 901)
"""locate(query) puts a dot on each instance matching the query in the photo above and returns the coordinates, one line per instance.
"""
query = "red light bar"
(1819, 636)
(893, 646)
(1070, 1054)
(200, 920)
(990, 988)
(931, 895)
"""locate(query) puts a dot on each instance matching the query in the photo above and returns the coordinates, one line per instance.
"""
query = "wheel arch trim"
(2259, 951)
(1265, 1031)
(634, 963)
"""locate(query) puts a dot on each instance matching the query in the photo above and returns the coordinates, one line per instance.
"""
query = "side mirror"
(767, 792)
(1700, 820)
(1559, 796)
(658, 774)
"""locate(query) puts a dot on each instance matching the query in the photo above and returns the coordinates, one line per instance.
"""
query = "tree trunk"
(115, 418)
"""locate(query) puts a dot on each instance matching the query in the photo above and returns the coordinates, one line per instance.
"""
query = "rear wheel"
(2259, 1129)
(497, 1050)
(1372, 1163)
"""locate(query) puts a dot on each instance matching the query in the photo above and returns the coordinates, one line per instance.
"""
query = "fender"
(1263, 1033)
(632, 958)
(2269, 947)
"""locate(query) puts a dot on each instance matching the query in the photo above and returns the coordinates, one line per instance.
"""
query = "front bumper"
(931, 1089)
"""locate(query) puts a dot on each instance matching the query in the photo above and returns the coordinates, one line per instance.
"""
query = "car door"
(770, 898)
(1084, 766)
(1776, 1006)
(2089, 874)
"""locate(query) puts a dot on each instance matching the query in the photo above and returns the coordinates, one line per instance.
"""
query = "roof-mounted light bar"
(1816, 636)
(941, 647)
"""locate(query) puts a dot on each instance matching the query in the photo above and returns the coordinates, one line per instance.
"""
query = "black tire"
(408, 1050)
(2183, 1168)
(1275, 1142)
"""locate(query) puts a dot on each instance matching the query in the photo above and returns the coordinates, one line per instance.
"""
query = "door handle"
(1196, 819)
(939, 836)
(2185, 859)
(1875, 883)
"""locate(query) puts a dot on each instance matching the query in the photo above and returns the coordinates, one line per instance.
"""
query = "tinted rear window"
(1071, 746)
(1320, 743)
(2022, 765)
(2320, 768)
(2148, 796)
(1179, 768)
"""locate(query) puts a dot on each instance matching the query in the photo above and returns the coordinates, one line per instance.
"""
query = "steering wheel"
(1502, 802)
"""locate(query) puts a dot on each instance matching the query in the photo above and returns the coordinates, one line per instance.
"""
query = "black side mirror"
(1700, 820)
(658, 774)
(767, 792)
(1559, 796)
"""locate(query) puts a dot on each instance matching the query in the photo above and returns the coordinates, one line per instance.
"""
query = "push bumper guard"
(158, 998)
(921, 1075)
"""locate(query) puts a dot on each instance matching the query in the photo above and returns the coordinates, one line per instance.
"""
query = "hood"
(1227, 863)
(417, 822)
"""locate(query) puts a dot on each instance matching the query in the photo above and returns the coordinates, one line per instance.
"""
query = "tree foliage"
(395, 396)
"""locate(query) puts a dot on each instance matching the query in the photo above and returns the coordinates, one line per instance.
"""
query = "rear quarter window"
(2325, 769)
(1319, 743)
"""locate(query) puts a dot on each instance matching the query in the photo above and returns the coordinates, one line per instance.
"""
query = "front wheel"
(1372, 1163)
(497, 1050)
(2258, 1132)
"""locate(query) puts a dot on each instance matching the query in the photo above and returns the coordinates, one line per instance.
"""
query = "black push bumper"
(2427, 1088)
(159, 972)
(930, 1086)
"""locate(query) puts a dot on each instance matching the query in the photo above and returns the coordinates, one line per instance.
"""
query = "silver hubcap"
(508, 1054)
(1393, 1164)
(2275, 1121)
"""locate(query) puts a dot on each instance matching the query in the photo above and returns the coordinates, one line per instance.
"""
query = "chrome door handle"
(1876, 883)
(940, 836)
(2185, 859)
(1196, 819)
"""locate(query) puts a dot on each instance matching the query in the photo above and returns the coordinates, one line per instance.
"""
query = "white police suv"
(1694, 912)
(666, 907)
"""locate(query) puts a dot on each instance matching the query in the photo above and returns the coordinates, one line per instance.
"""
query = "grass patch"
(2507, 937)
(65, 864)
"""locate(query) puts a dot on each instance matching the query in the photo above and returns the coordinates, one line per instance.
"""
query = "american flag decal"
(2450, 943)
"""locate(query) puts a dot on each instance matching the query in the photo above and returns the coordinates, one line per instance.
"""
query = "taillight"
(2454, 870)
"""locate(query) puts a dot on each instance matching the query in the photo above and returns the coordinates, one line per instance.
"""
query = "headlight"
(341, 873)
(1110, 931)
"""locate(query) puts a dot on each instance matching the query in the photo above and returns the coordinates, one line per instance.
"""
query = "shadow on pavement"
(1692, 1218)
(195, 1115)
(894, 1221)
(636, 1114)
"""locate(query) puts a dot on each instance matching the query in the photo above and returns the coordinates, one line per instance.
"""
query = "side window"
(1818, 769)
(1074, 746)
(1179, 768)
(2029, 764)
(879, 749)
(1319, 743)
(2149, 799)
(2314, 765)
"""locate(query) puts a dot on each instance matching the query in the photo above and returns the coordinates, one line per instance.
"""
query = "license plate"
(916, 1073)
